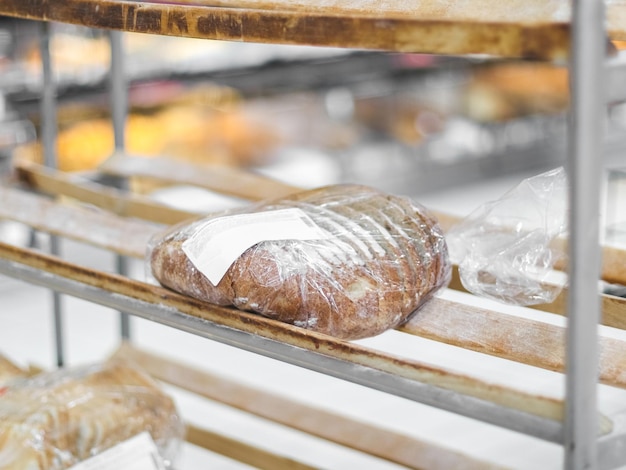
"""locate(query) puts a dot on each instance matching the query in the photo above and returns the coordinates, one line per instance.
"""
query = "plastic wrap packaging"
(506, 249)
(345, 260)
(54, 420)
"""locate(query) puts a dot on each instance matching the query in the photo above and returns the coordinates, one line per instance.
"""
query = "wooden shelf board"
(530, 29)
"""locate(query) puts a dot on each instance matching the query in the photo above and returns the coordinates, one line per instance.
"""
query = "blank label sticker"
(219, 242)
(137, 453)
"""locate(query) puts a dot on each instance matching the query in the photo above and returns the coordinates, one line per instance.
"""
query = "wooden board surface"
(510, 337)
(227, 180)
(111, 199)
(516, 28)
(88, 224)
(240, 451)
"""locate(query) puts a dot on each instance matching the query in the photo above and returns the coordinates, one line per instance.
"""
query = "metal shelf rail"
(537, 31)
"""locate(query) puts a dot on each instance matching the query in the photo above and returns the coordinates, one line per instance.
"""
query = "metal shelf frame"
(585, 134)
(594, 79)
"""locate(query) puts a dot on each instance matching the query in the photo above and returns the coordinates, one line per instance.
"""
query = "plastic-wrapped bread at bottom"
(55, 420)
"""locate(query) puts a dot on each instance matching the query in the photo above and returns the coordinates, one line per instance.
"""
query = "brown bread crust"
(394, 257)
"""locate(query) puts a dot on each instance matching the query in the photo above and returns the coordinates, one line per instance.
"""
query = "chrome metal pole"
(48, 139)
(119, 99)
(584, 170)
(119, 111)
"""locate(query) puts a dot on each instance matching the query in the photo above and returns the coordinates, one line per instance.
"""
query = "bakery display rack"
(45, 199)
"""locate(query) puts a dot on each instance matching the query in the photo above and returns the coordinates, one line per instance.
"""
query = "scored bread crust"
(386, 256)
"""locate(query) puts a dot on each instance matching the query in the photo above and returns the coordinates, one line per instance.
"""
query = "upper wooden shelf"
(515, 28)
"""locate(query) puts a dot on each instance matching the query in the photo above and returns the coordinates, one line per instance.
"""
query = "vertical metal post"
(48, 139)
(119, 111)
(119, 99)
(584, 170)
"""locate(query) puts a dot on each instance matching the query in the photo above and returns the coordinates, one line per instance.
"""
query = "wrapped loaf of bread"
(345, 260)
(54, 420)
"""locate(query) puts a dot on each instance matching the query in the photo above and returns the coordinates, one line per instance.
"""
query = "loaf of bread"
(371, 261)
(54, 420)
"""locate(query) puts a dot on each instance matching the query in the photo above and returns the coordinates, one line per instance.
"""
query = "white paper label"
(137, 453)
(219, 242)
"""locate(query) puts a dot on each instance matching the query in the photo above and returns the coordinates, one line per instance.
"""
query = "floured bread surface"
(383, 257)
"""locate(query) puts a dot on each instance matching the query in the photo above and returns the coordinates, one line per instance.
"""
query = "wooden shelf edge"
(377, 30)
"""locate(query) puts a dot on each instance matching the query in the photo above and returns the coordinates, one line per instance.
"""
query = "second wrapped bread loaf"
(345, 260)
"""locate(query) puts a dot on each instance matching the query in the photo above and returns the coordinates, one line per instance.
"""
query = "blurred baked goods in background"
(192, 127)
(619, 45)
(72, 54)
(400, 118)
(388, 123)
(506, 90)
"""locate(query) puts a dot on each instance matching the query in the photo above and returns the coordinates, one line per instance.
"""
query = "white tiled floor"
(91, 333)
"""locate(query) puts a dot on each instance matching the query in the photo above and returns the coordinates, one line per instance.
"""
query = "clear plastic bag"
(54, 420)
(506, 249)
(345, 260)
